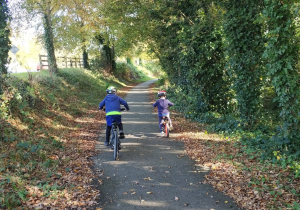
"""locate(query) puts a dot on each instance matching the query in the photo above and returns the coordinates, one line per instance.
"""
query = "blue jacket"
(112, 104)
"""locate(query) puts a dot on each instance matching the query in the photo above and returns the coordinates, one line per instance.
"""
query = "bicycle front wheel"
(116, 148)
(167, 130)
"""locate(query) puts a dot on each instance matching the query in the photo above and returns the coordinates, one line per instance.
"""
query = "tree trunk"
(109, 54)
(113, 61)
(85, 58)
(49, 39)
(4, 36)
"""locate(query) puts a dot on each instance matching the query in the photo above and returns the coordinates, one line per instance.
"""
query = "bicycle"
(115, 142)
(166, 126)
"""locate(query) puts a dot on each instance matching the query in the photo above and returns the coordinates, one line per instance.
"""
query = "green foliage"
(245, 46)
(4, 36)
(130, 72)
(153, 67)
(282, 56)
(191, 53)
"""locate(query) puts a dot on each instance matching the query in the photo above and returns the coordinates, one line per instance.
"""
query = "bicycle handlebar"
(122, 109)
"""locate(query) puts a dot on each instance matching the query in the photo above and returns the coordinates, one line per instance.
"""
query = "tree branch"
(188, 19)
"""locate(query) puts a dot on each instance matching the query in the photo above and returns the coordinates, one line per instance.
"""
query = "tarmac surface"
(152, 172)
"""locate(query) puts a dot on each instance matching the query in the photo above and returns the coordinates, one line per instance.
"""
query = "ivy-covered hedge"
(233, 64)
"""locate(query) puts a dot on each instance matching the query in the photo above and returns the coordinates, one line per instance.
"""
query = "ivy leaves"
(4, 36)
(281, 54)
(245, 47)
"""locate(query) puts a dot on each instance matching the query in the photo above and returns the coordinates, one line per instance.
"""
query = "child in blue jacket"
(162, 105)
(112, 104)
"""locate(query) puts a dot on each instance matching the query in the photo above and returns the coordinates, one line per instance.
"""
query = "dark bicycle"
(166, 126)
(115, 142)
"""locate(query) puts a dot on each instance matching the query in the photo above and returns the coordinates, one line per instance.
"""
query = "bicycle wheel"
(116, 148)
(167, 129)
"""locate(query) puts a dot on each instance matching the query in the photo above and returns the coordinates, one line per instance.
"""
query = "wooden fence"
(62, 62)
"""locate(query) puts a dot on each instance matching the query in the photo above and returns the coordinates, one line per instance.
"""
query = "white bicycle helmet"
(111, 90)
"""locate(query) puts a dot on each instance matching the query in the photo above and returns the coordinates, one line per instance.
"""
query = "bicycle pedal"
(122, 136)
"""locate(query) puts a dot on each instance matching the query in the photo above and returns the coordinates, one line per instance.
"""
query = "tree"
(73, 30)
(4, 36)
(47, 9)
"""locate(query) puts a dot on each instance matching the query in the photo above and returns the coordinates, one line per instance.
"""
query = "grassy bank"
(48, 128)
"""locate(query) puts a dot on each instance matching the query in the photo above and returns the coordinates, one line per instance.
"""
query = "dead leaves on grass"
(74, 172)
(251, 184)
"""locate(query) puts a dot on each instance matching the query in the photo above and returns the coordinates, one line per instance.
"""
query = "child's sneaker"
(122, 135)
(112, 145)
(162, 134)
(106, 143)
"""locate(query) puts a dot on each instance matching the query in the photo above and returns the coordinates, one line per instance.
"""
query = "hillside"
(48, 132)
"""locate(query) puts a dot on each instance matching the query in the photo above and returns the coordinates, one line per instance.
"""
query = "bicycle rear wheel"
(116, 148)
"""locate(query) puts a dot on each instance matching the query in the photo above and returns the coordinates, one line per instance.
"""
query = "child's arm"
(123, 102)
(155, 104)
(102, 104)
(170, 103)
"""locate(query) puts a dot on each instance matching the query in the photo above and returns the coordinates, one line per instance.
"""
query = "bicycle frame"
(114, 139)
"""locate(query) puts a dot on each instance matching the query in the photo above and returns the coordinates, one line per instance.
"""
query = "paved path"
(152, 172)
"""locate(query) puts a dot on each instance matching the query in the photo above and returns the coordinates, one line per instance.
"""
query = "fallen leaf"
(176, 198)
(149, 192)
